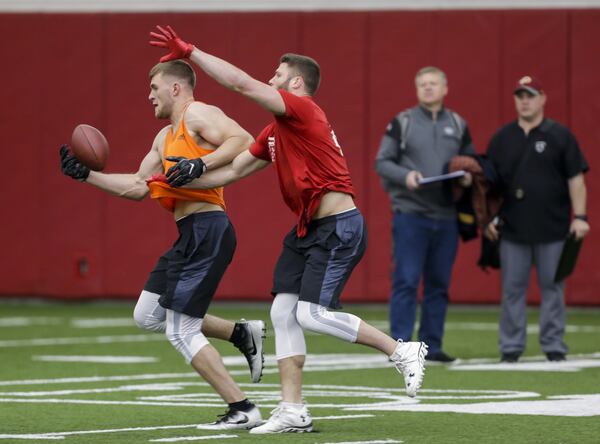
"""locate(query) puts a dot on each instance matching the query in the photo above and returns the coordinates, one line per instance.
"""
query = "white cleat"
(284, 420)
(235, 420)
(409, 359)
(252, 349)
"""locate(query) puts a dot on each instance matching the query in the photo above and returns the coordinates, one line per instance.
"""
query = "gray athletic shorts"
(318, 265)
(187, 276)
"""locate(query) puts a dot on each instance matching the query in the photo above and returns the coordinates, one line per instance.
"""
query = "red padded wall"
(72, 68)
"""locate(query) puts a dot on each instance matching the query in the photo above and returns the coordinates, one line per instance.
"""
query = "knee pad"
(184, 333)
(317, 318)
(148, 314)
(289, 337)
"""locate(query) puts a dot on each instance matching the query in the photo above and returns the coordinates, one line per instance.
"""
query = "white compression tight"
(184, 333)
(289, 337)
(148, 314)
(291, 316)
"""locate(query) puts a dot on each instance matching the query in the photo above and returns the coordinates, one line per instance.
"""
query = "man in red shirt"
(321, 251)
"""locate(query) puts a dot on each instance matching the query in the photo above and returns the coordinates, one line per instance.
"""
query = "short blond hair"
(431, 70)
(176, 68)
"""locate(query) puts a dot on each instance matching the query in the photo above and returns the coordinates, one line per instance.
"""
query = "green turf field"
(83, 373)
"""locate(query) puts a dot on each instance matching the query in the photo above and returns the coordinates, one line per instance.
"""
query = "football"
(90, 146)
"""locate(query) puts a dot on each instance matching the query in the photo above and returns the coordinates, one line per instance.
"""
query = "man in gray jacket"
(418, 143)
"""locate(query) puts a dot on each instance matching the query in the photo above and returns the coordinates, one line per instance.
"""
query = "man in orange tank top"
(181, 286)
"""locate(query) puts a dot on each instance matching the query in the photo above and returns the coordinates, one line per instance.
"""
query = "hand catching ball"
(90, 147)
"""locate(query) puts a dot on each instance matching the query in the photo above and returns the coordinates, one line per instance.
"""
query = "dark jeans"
(422, 247)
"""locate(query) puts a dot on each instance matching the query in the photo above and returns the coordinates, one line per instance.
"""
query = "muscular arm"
(237, 80)
(130, 186)
(213, 125)
(243, 165)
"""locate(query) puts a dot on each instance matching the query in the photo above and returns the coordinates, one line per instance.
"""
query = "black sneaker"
(440, 357)
(252, 346)
(510, 357)
(235, 420)
(556, 356)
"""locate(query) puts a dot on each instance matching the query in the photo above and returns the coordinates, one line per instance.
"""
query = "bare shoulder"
(199, 110)
(159, 139)
(162, 134)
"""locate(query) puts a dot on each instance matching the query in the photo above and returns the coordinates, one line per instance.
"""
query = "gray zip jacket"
(427, 146)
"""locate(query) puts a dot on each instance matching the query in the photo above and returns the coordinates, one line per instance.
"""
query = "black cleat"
(510, 357)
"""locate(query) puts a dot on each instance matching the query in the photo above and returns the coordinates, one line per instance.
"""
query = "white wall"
(279, 5)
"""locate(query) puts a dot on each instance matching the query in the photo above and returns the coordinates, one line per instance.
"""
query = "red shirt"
(307, 156)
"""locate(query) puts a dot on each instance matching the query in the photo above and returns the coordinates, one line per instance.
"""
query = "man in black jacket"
(541, 171)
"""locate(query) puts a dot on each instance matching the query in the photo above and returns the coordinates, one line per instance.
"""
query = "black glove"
(71, 167)
(184, 171)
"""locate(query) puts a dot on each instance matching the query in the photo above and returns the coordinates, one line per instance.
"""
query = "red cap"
(529, 84)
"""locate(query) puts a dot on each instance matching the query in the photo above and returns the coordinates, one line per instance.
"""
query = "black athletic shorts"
(187, 276)
(318, 265)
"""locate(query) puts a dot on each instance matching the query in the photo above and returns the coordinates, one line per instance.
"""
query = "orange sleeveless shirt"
(184, 145)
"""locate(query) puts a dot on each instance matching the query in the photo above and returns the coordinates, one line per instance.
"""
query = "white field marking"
(156, 387)
(193, 438)
(344, 395)
(266, 398)
(81, 340)
(122, 322)
(96, 359)
(531, 328)
(142, 377)
(570, 366)
(99, 402)
(103, 322)
(61, 435)
(379, 441)
(27, 321)
(318, 418)
(489, 326)
(564, 405)
(313, 364)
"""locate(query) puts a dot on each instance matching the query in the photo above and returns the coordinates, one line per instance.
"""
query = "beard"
(286, 85)
(163, 113)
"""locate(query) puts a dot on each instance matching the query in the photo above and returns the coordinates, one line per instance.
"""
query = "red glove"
(157, 178)
(167, 38)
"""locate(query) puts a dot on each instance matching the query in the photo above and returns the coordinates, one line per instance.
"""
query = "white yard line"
(318, 418)
(142, 377)
(102, 322)
(85, 340)
(96, 359)
(61, 435)
(193, 438)
(379, 441)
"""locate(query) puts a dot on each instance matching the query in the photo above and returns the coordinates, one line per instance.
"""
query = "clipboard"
(568, 258)
(441, 177)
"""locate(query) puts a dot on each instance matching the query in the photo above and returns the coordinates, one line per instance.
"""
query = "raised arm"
(130, 186)
(223, 72)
